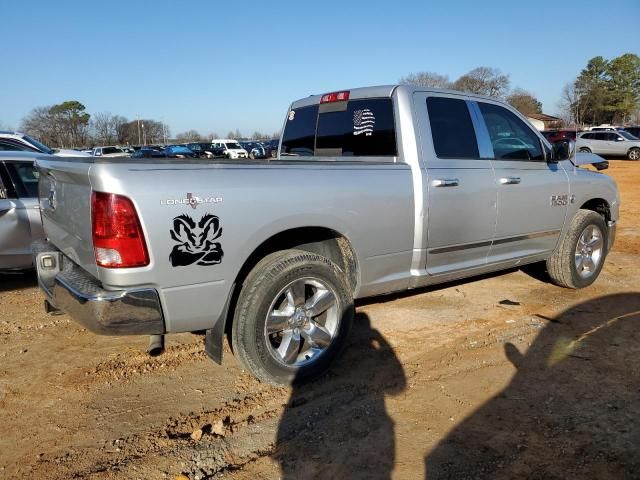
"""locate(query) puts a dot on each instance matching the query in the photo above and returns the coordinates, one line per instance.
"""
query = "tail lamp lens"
(118, 240)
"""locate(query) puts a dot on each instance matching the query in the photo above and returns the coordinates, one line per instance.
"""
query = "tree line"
(69, 125)
(483, 81)
(605, 91)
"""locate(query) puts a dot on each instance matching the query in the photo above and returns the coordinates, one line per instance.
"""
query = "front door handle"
(509, 180)
(445, 182)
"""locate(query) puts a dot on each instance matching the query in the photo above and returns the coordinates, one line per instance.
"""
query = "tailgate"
(65, 205)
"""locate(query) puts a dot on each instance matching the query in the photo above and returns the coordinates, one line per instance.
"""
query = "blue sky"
(215, 66)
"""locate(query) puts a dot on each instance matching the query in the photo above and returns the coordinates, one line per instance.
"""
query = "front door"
(532, 194)
(460, 187)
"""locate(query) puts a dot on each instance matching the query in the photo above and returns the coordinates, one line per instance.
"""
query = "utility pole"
(138, 118)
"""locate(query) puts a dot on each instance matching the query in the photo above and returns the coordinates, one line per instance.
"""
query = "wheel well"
(320, 240)
(600, 206)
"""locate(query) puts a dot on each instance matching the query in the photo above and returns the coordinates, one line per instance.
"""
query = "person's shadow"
(338, 427)
(571, 411)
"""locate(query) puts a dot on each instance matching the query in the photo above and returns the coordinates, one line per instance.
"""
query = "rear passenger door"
(20, 222)
(460, 186)
(529, 220)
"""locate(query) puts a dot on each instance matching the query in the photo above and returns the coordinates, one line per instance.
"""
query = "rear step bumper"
(69, 288)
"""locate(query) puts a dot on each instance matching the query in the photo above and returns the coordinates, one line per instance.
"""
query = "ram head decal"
(196, 241)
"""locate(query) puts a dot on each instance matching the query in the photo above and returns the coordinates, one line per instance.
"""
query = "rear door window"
(356, 128)
(451, 128)
(511, 138)
(24, 177)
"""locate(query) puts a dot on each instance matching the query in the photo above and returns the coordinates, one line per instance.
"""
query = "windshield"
(40, 146)
(233, 145)
(627, 135)
(111, 150)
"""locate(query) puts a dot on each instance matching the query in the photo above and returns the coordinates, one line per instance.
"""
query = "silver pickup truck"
(374, 190)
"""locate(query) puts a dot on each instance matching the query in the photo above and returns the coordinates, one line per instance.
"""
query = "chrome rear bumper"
(69, 288)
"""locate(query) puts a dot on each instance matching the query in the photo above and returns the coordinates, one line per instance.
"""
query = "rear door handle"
(445, 182)
(509, 180)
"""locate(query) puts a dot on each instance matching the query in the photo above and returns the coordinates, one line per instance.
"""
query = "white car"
(40, 147)
(609, 143)
(109, 152)
(231, 148)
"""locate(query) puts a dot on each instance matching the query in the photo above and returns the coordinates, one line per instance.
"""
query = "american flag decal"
(363, 122)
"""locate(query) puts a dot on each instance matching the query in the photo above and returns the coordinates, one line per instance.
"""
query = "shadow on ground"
(571, 411)
(17, 280)
(338, 427)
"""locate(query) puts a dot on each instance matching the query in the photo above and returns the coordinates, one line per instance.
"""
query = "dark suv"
(635, 131)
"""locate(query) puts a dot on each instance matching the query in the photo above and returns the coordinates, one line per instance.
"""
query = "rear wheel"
(634, 154)
(293, 314)
(579, 257)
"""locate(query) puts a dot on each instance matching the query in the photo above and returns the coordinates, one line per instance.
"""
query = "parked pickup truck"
(374, 190)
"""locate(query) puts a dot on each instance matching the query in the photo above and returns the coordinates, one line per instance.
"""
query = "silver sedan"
(20, 222)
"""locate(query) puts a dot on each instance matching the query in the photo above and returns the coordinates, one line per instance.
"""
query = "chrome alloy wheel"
(589, 250)
(302, 322)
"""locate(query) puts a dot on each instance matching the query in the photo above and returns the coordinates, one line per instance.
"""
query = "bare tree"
(237, 134)
(483, 81)
(571, 108)
(189, 136)
(103, 128)
(427, 79)
(39, 124)
(119, 122)
(524, 101)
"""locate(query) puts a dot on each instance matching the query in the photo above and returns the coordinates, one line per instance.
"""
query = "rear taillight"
(118, 240)
(335, 97)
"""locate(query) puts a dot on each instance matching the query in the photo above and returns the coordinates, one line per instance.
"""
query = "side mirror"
(619, 139)
(563, 150)
(97, 154)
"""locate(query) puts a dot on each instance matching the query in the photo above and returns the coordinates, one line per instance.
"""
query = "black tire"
(634, 154)
(263, 288)
(562, 265)
(585, 150)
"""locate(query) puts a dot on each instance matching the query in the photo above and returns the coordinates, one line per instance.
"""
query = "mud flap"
(213, 341)
(215, 336)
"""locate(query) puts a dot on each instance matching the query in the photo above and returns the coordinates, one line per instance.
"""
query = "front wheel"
(634, 154)
(579, 257)
(293, 314)
(584, 150)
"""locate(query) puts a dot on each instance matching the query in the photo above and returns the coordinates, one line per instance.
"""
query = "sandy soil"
(503, 377)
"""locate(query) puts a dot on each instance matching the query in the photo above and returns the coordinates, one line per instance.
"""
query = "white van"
(231, 148)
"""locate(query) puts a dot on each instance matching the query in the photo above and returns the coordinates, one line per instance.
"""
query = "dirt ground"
(504, 377)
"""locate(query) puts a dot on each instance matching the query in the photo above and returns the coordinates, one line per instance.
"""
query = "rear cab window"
(352, 128)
